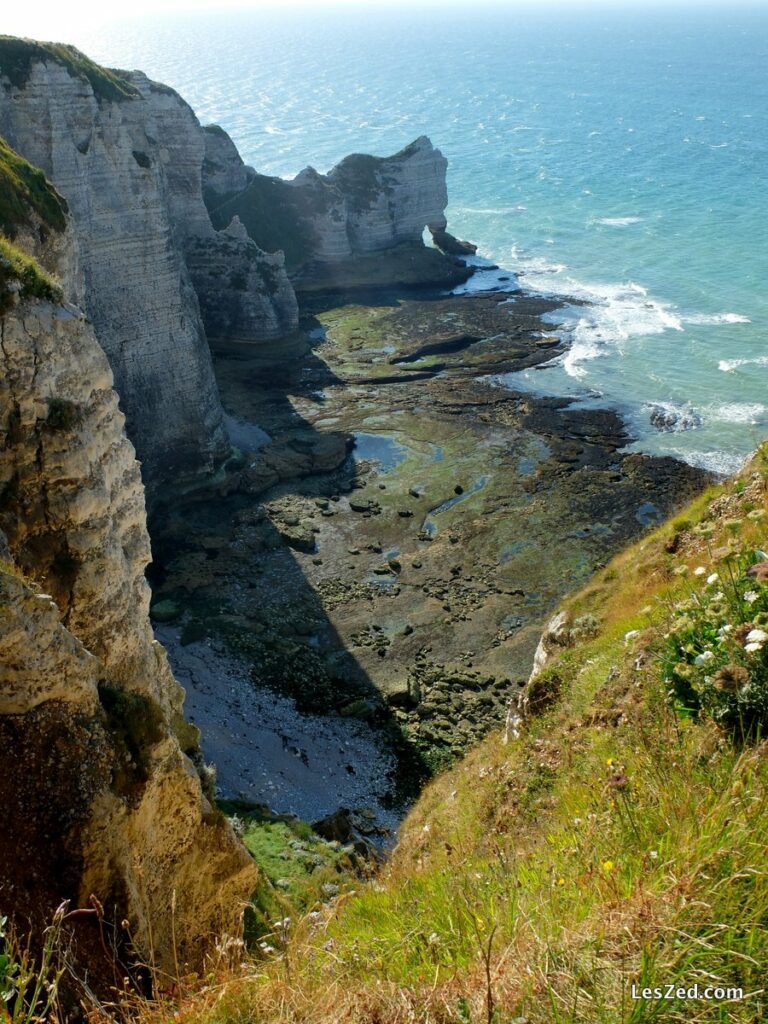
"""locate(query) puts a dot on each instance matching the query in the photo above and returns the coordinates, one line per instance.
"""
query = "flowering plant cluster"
(716, 652)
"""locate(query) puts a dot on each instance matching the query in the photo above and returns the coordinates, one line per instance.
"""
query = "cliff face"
(110, 803)
(366, 206)
(127, 154)
(391, 200)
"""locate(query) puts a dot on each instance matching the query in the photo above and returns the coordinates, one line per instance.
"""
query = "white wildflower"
(757, 636)
(753, 648)
(713, 578)
(725, 630)
(751, 596)
(703, 658)
(699, 570)
(653, 854)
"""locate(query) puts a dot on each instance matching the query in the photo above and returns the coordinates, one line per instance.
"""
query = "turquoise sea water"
(615, 156)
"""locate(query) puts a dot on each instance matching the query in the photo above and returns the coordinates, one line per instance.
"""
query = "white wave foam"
(491, 209)
(729, 365)
(615, 315)
(738, 412)
(610, 315)
(719, 462)
(618, 222)
(539, 265)
(707, 319)
(487, 278)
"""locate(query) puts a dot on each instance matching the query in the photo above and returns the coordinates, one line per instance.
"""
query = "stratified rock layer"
(110, 803)
(391, 200)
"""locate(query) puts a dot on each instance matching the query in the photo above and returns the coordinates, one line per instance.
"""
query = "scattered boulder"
(451, 245)
(670, 419)
(336, 827)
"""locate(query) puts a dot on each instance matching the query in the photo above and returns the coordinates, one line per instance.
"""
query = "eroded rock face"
(129, 165)
(224, 173)
(105, 158)
(391, 200)
(364, 206)
(245, 295)
(110, 802)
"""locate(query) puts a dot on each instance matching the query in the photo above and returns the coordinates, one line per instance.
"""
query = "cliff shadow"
(256, 569)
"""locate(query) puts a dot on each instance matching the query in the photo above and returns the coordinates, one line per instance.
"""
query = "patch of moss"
(17, 56)
(358, 178)
(25, 189)
(299, 869)
(160, 87)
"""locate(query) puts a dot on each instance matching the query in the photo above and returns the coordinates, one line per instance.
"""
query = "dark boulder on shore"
(451, 245)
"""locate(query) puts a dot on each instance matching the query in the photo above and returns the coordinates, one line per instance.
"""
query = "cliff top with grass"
(17, 56)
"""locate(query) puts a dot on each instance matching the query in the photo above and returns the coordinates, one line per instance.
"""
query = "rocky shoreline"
(391, 551)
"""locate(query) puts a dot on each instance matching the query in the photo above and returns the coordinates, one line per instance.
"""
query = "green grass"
(25, 190)
(17, 267)
(17, 56)
(299, 870)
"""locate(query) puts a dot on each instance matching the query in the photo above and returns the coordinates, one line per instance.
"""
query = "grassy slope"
(24, 191)
(299, 871)
(615, 843)
(16, 266)
(26, 196)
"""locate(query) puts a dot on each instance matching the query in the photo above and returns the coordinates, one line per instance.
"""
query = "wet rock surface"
(268, 752)
(407, 589)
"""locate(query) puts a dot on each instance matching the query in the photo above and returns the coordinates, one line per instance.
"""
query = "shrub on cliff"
(717, 646)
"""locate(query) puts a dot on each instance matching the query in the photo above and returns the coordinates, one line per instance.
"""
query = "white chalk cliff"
(128, 159)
